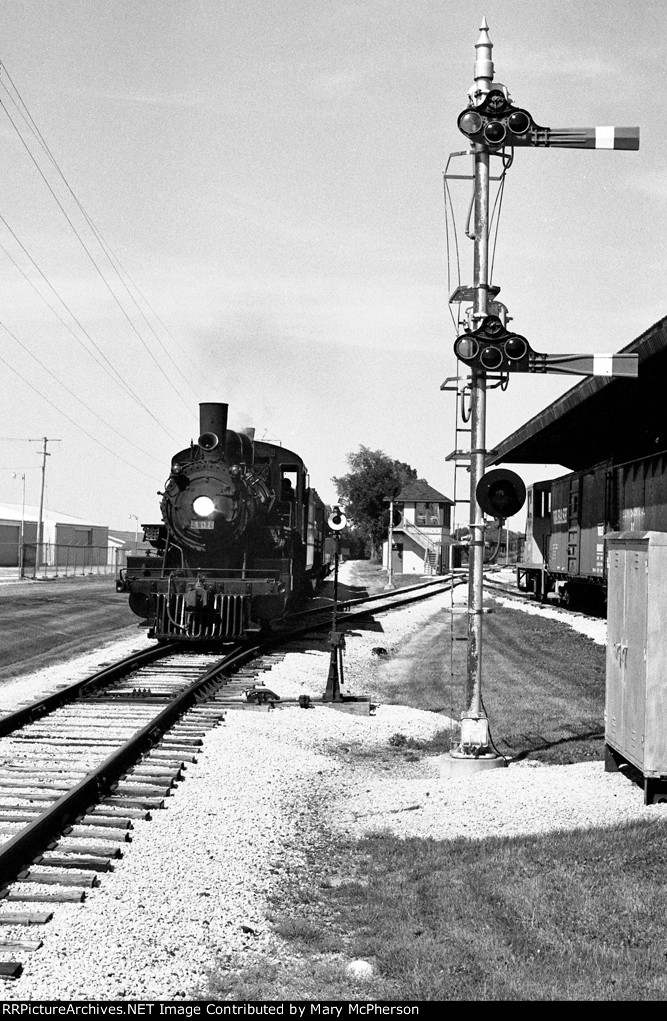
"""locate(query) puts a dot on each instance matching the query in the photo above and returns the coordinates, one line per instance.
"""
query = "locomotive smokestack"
(212, 425)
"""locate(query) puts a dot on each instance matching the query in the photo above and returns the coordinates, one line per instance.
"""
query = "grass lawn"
(570, 915)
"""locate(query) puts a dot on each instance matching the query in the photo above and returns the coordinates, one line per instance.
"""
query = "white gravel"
(267, 784)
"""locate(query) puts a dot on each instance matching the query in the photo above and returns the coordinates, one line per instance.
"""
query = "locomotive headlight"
(203, 506)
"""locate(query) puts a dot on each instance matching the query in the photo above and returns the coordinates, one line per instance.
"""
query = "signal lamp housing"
(501, 493)
(492, 348)
(496, 122)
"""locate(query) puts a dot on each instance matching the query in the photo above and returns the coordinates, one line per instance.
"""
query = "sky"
(266, 177)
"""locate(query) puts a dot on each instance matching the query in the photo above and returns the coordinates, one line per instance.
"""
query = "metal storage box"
(636, 679)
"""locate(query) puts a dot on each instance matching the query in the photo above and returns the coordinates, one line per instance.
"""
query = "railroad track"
(351, 609)
(526, 597)
(77, 767)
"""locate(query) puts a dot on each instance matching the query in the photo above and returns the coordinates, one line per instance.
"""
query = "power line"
(116, 375)
(72, 420)
(71, 392)
(113, 260)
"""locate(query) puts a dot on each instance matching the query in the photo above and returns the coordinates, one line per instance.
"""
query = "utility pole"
(136, 532)
(390, 545)
(21, 476)
(40, 521)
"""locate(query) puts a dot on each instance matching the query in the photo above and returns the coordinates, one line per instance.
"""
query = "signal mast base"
(474, 752)
(457, 763)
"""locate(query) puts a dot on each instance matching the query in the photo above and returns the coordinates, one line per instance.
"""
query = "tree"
(373, 477)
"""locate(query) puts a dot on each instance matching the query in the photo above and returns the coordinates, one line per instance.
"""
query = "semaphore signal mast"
(491, 123)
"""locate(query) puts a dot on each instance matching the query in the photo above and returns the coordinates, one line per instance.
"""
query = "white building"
(66, 539)
(421, 538)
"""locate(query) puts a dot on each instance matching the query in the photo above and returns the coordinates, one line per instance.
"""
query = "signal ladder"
(461, 455)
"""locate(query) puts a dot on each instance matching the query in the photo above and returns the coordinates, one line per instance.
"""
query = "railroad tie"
(80, 832)
(118, 823)
(56, 878)
(168, 753)
(81, 847)
(166, 780)
(76, 896)
(21, 944)
(149, 789)
(25, 917)
(90, 864)
(113, 801)
(155, 770)
(109, 812)
(10, 969)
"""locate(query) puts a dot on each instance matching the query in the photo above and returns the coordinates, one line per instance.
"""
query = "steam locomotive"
(241, 539)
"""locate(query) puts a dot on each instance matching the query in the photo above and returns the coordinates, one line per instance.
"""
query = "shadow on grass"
(561, 916)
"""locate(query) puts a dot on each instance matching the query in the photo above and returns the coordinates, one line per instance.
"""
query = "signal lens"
(516, 348)
(203, 506)
(501, 496)
(519, 122)
(494, 132)
(466, 348)
(470, 123)
(491, 358)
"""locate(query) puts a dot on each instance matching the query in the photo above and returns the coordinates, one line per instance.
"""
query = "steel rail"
(439, 584)
(20, 717)
(391, 602)
(33, 838)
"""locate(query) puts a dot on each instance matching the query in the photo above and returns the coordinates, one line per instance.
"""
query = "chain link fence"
(56, 560)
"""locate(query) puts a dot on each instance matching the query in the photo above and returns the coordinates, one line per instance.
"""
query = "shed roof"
(421, 492)
(14, 512)
(601, 417)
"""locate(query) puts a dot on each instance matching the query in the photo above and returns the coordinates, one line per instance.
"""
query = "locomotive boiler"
(241, 538)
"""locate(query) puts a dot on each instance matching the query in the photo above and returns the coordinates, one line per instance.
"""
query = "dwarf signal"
(337, 520)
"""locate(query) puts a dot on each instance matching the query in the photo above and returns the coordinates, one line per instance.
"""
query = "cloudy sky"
(265, 225)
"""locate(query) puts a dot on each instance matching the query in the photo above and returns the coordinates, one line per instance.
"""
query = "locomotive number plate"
(201, 524)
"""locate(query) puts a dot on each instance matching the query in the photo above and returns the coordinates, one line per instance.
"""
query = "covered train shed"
(611, 435)
(601, 418)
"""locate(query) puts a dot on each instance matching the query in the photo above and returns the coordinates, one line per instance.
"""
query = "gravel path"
(193, 885)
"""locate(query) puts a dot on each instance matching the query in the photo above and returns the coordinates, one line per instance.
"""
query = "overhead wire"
(95, 265)
(114, 261)
(113, 374)
(73, 421)
(71, 392)
(105, 248)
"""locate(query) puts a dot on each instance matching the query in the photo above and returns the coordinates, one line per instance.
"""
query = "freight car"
(241, 539)
(568, 518)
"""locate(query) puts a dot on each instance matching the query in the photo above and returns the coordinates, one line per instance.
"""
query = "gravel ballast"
(192, 888)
